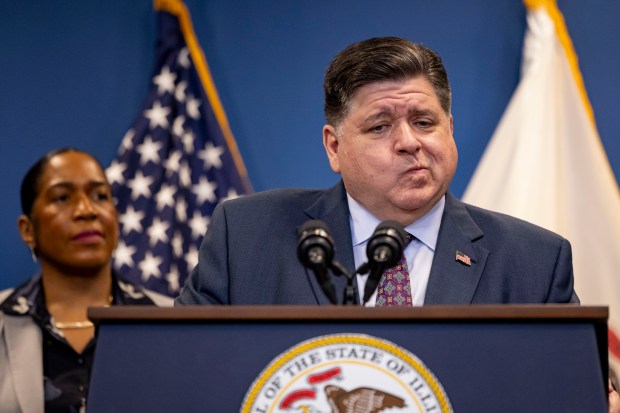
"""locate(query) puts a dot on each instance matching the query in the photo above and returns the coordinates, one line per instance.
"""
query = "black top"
(66, 372)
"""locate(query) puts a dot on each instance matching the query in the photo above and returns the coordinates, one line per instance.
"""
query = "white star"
(123, 255)
(165, 81)
(177, 126)
(177, 244)
(140, 185)
(157, 115)
(232, 194)
(114, 173)
(185, 175)
(179, 93)
(181, 210)
(165, 196)
(198, 224)
(191, 258)
(205, 190)
(172, 163)
(149, 266)
(130, 220)
(183, 58)
(211, 156)
(193, 107)
(149, 151)
(173, 279)
(157, 231)
(127, 142)
(188, 141)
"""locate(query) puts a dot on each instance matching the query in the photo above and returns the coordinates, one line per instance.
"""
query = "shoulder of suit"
(3, 296)
(274, 198)
(5, 293)
(271, 194)
(509, 223)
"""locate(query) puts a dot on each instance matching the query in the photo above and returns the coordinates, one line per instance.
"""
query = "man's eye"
(378, 128)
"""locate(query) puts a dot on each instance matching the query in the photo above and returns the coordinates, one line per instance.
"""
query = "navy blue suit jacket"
(249, 254)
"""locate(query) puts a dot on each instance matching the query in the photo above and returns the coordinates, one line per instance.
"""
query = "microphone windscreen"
(311, 235)
(393, 228)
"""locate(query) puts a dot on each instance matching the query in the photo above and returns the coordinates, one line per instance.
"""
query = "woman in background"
(70, 225)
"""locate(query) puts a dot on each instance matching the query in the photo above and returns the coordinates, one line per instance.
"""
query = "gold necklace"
(78, 325)
(72, 325)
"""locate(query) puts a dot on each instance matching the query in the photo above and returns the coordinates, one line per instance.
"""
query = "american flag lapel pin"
(463, 258)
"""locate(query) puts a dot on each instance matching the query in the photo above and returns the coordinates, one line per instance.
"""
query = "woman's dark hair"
(30, 184)
(377, 60)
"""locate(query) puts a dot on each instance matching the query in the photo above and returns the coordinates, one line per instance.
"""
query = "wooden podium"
(490, 358)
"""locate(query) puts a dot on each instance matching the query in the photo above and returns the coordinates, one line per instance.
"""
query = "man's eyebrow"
(383, 113)
(386, 113)
(422, 112)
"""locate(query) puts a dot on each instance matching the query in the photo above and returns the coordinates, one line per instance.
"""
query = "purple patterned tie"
(395, 288)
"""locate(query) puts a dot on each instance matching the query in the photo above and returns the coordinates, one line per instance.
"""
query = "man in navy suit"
(389, 135)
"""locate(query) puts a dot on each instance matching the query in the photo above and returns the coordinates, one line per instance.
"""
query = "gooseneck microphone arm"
(350, 292)
(384, 250)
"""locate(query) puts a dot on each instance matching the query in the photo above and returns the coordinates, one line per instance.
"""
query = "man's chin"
(416, 199)
(417, 206)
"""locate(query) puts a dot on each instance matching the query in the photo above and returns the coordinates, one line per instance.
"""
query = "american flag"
(175, 163)
(464, 258)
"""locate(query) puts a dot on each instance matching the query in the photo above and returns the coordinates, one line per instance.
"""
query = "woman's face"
(73, 223)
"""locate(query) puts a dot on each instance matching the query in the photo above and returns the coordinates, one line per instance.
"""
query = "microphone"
(315, 250)
(385, 247)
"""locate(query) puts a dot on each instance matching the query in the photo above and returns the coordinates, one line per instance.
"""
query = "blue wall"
(74, 73)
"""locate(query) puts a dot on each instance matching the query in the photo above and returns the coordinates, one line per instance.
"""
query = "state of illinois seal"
(346, 373)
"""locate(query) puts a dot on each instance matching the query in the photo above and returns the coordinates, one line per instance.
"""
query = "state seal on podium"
(346, 372)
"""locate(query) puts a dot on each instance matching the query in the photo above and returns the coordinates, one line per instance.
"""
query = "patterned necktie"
(395, 288)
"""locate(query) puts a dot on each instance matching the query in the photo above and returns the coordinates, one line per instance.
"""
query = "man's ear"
(330, 142)
(26, 230)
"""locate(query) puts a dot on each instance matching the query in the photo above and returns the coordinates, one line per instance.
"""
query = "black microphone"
(385, 247)
(315, 250)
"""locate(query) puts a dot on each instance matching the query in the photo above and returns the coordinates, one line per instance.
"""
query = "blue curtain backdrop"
(75, 73)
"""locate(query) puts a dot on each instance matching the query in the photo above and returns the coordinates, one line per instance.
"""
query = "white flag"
(545, 164)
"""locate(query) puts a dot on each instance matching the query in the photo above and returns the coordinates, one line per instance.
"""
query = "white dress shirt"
(419, 253)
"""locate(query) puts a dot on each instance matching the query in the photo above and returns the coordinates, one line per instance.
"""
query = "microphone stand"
(350, 294)
(365, 269)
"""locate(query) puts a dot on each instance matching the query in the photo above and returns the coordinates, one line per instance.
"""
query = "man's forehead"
(409, 85)
(385, 96)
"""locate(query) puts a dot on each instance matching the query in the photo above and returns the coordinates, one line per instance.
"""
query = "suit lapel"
(333, 209)
(24, 347)
(452, 281)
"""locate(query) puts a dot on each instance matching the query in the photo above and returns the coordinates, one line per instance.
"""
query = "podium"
(483, 358)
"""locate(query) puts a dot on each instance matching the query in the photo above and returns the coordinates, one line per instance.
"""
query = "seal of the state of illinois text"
(346, 373)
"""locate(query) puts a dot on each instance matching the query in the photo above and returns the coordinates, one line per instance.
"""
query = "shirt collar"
(425, 229)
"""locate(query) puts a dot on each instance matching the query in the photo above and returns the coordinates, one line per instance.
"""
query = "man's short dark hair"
(376, 60)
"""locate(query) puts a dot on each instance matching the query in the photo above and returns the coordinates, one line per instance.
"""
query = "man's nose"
(407, 139)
